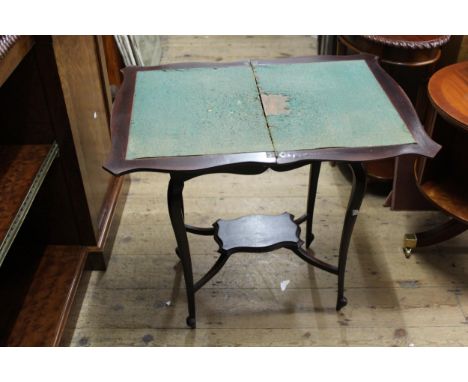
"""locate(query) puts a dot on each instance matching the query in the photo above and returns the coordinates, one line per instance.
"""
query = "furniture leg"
(312, 193)
(443, 232)
(213, 270)
(175, 205)
(355, 200)
(182, 203)
(312, 260)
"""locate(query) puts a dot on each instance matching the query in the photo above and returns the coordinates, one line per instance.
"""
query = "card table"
(189, 120)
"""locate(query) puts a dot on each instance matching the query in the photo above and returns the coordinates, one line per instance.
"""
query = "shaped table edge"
(117, 164)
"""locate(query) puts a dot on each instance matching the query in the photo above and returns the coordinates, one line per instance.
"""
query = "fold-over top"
(331, 108)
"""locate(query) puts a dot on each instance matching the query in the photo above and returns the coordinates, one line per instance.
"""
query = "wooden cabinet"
(81, 64)
(57, 204)
(85, 92)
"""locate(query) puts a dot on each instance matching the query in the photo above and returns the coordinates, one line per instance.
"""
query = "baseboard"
(111, 213)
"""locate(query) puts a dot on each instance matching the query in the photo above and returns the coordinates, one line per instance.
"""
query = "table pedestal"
(262, 233)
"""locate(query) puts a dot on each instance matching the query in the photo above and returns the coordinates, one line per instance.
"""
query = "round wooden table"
(448, 92)
(443, 180)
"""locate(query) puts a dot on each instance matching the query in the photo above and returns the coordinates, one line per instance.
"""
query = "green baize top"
(201, 111)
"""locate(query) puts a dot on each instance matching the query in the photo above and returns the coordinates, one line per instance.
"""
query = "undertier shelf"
(257, 233)
(261, 233)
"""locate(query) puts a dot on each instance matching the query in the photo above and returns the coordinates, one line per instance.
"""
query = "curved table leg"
(312, 193)
(213, 270)
(355, 200)
(176, 213)
(312, 260)
(443, 232)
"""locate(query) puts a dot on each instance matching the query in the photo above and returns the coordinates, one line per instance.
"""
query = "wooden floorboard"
(343, 336)
(393, 301)
(270, 308)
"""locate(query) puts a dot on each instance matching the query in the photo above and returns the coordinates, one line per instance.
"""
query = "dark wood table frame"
(184, 168)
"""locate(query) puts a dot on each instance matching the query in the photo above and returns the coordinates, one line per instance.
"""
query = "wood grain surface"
(13, 56)
(45, 309)
(80, 72)
(19, 165)
(448, 91)
(449, 196)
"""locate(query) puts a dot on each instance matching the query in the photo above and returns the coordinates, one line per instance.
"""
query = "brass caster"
(410, 241)
(407, 251)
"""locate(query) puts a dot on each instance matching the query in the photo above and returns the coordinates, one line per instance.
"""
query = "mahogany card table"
(189, 120)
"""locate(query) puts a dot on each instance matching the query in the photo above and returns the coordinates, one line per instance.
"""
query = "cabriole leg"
(355, 200)
(312, 193)
(176, 213)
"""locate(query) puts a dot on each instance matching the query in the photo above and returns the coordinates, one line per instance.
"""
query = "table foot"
(192, 322)
(341, 303)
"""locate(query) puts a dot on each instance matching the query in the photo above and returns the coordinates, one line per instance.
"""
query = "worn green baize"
(330, 104)
(218, 111)
(196, 111)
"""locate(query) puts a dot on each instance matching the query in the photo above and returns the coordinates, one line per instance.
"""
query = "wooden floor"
(393, 301)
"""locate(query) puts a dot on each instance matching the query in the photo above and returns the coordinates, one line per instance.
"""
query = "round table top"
(448, 91)
(398, 49)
